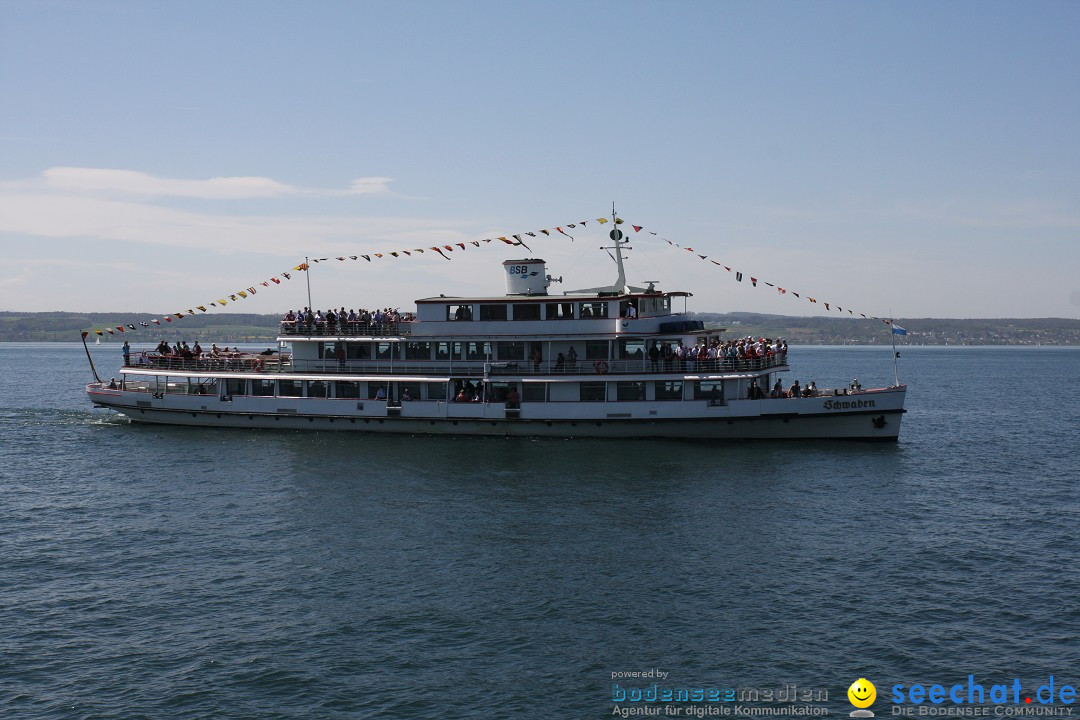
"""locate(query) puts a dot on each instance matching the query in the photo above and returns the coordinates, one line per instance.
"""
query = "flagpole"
(307, 273)
(87, 349)
(895, 355)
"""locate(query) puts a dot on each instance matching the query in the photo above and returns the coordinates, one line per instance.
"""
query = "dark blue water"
(156, 572)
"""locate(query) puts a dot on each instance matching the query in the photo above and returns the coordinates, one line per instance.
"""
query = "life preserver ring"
(601, 367)
(257, 364)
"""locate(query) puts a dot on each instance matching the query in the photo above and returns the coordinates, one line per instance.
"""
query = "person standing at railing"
(127, 353)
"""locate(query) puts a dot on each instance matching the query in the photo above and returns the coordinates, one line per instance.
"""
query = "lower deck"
(870, 414)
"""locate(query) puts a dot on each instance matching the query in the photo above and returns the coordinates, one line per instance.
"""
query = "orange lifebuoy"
(601, 367)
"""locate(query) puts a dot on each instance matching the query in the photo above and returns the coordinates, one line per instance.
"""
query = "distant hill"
(920, 331)
(238, 327)
(66, 326)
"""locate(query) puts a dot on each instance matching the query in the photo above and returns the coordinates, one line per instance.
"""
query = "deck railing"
(233, 362)
(285, 362)
(346, 329)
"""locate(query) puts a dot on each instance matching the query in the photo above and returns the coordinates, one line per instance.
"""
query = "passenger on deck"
(560, 363)
(406, 396)
(777, 390)
(380, 394)
(461, 396)
(795, 391)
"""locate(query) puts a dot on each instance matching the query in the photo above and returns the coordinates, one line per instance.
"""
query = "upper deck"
(540, 317)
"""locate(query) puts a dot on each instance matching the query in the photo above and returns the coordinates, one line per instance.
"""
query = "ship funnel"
(526, 277)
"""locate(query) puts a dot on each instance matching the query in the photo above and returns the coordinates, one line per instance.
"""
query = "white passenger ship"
(600, 362)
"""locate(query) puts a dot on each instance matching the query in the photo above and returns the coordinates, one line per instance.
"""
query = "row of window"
(556, 310)
(619, 391)
(528, 311)
(625, 348)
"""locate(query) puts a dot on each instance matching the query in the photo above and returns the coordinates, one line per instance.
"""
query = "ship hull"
(870, 415)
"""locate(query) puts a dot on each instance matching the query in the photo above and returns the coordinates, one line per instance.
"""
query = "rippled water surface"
(185, 573)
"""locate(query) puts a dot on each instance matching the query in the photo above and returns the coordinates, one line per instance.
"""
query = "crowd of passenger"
(353, 322)
(744, 353)
(183, 356)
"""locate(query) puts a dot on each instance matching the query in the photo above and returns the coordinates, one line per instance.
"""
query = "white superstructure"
(601, 362)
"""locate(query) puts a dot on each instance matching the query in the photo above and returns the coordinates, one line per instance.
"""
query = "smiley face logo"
(862, 693)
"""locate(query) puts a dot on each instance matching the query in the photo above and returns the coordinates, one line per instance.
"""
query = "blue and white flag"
(897, 330)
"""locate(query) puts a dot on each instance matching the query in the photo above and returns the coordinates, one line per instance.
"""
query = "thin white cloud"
(67, 215)
(132, 183)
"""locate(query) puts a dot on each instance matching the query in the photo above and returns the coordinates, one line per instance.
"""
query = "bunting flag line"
(305, 266)
(754, 280)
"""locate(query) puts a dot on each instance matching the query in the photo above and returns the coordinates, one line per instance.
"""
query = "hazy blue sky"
(921, 157)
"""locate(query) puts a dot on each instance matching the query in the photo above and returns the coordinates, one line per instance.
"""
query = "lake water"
(159, 572)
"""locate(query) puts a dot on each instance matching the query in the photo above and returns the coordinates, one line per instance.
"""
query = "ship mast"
(617, 237)
(619, 242)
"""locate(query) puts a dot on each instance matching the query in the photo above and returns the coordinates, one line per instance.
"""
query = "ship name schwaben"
(848, 404)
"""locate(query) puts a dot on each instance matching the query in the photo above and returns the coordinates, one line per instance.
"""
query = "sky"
(914, 159)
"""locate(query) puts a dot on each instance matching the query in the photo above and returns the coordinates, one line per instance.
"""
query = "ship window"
(358, 351)
(534, 392)
(594, 310)
(711, 390)
(318, 388)
(436, 391)
(235, 386)
(493, 311)
(385, 350)
(560, 311)
(592, 391)
(459, 312)
(669, 390)
(327, 350)
(417, 351)
(262, 387)
(443, 350)
(654, 305)
(596, 349)
(347, 390)
(632, 348)
(413, 388)
(629, 391)
(477, 350)
(526, 311)
(497, 392)
(510, 350)
(290, 388)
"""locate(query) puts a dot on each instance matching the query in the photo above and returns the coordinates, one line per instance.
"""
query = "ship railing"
(231, 362)
(346, 329)
(480, 367)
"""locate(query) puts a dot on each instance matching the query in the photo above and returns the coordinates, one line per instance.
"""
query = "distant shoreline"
(231, 328)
